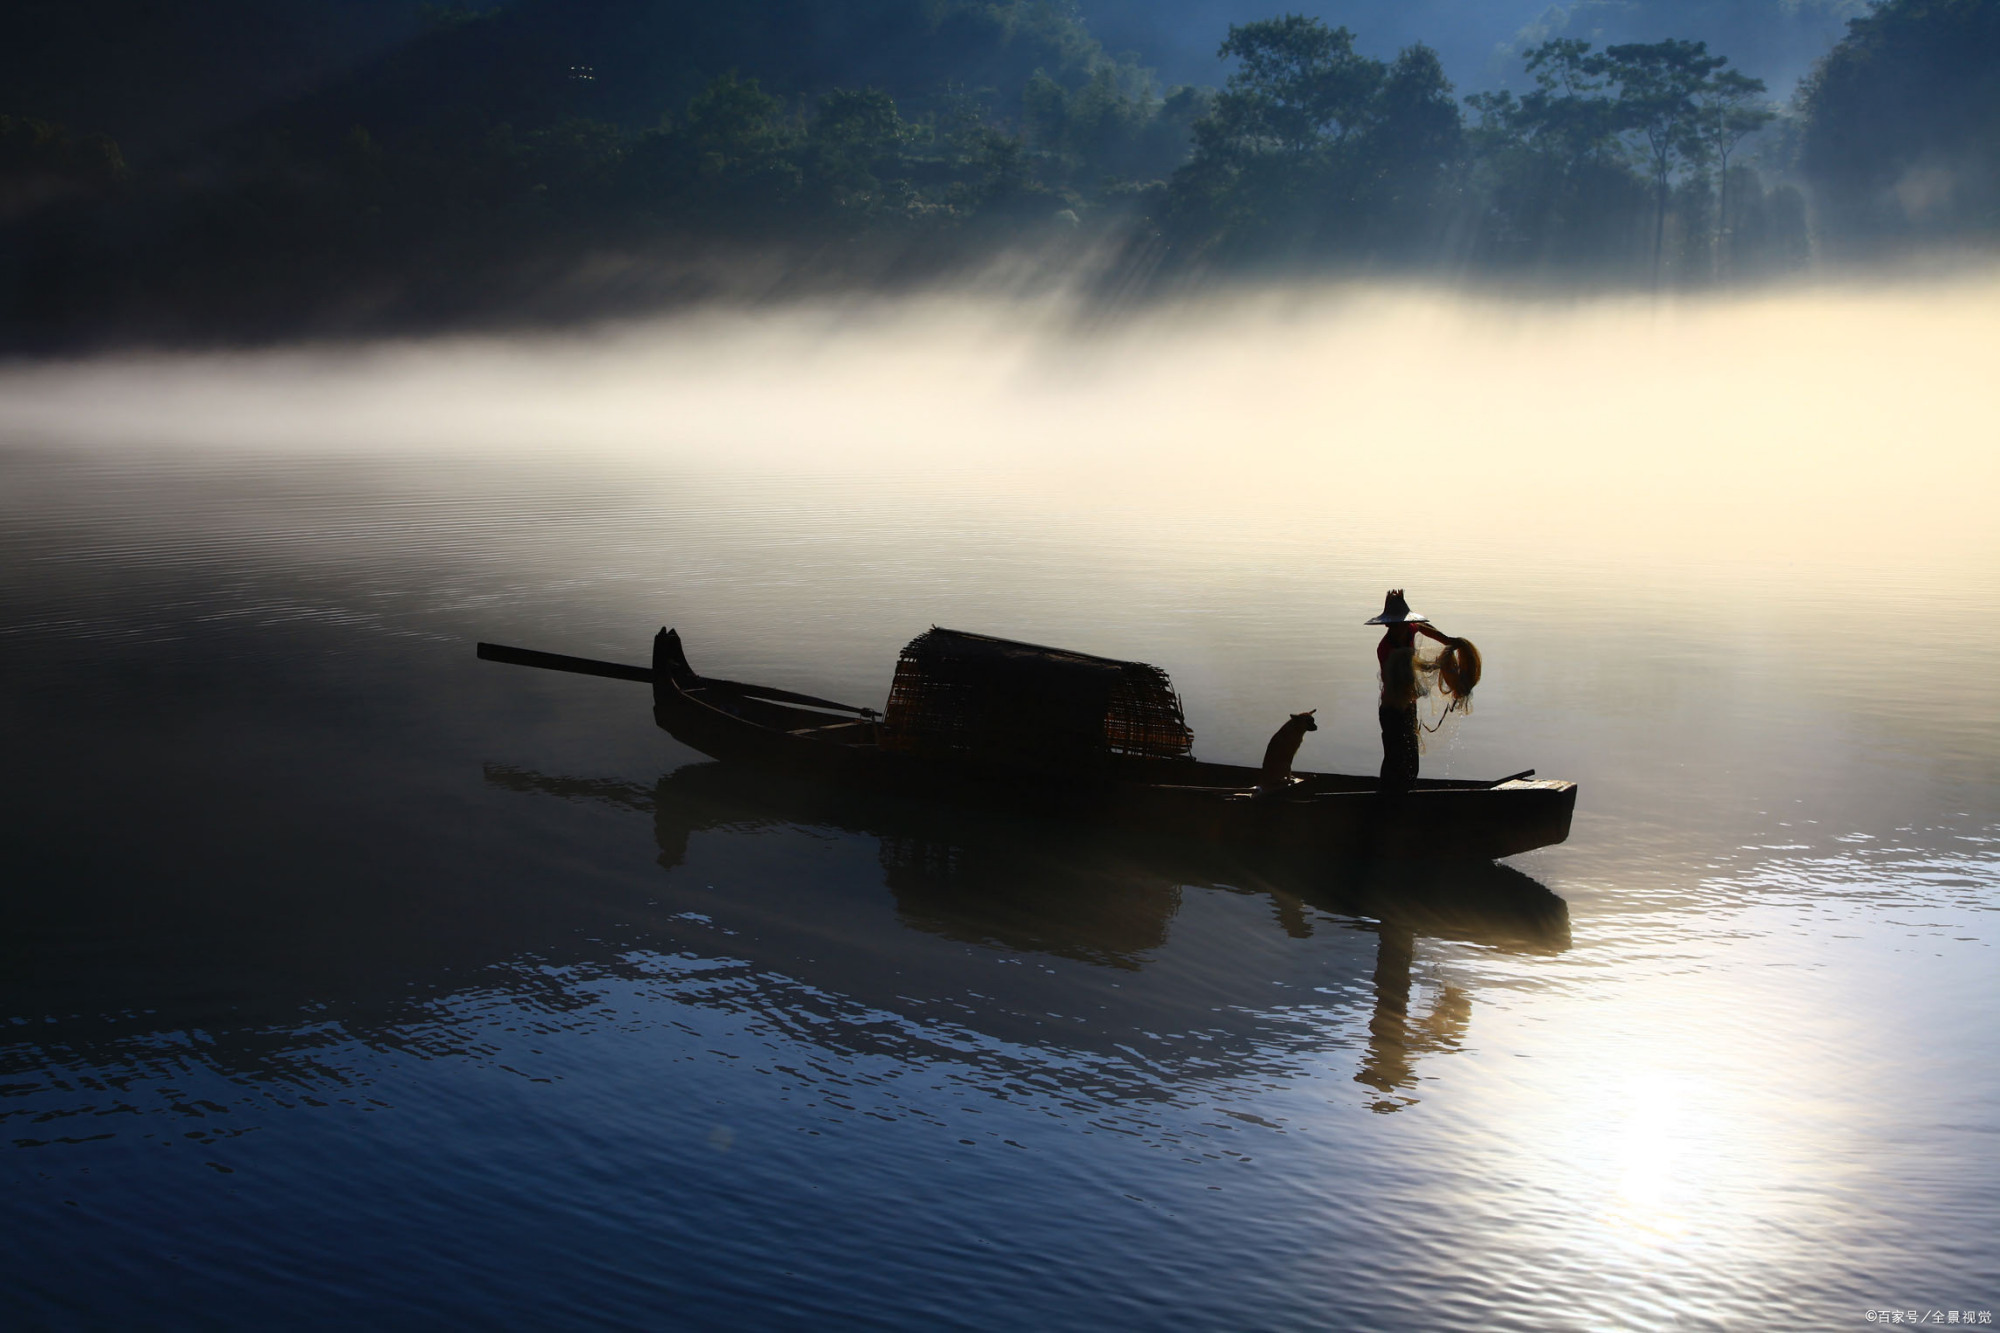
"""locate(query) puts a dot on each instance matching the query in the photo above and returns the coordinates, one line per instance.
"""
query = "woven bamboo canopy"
(1021, 703)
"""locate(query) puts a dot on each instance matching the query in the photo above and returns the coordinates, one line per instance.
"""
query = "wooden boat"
(1004, 725)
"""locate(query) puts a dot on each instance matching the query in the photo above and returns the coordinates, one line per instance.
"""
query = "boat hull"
(1329, 815)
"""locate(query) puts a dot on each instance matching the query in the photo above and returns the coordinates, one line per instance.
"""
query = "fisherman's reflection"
(1394, 1037)
(1097, 913)
(1491, 905)
(1110, 902)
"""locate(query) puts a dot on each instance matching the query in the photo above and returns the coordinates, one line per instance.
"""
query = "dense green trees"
(1902, 124)
(1564, 167)
(1314, 149)
(502, 148)
(1776, 39)
(1613, 159)
(157, 75)
(1113, 130)
(41, 161)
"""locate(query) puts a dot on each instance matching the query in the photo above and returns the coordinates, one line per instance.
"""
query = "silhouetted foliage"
(1481, 42)
(1777, 40)
(487, 155)
(1555, 177)
(1115, 127)
(1623, 153)
(1658, 84)
(1902, 123)
(499, 147)
(156, 75)
(1314, 149)
(41, 162)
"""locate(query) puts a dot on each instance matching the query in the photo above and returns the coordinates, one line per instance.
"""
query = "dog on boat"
(1284, 746)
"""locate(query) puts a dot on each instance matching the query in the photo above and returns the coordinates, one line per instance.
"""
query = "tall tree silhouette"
(1314, 147)
(1727, 112)
(1658, 86)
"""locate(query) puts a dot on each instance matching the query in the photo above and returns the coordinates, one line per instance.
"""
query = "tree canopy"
(1313, 148)
(498, 152)
(1902, 123)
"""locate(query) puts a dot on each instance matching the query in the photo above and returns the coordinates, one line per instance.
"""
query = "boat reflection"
(1030, 959)
(999, 883)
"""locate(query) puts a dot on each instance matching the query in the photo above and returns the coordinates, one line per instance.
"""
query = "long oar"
(586, 666)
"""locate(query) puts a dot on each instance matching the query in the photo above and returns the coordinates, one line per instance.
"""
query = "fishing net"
(1458, 668)
(1449, 677)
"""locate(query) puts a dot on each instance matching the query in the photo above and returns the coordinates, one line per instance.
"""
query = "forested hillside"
(1480, 42)
(361, 164)
(157, 76)
(1902, 126)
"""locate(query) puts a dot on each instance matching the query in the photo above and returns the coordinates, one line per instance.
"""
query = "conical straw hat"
(1396, 611)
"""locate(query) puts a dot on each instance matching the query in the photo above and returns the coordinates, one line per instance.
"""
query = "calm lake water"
(348, 981)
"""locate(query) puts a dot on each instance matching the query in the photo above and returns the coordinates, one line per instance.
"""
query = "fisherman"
(1397, 656)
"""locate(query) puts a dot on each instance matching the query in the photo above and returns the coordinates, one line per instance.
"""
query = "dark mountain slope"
(628, 62)
(154, 73)
(1902, 135)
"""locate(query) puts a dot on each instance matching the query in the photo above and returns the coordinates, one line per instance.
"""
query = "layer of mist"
(1797, 428)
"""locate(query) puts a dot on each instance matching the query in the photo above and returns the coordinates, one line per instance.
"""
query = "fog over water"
(349, 975)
